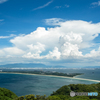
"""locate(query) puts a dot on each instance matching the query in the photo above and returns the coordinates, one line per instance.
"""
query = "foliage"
(31, 97)
(6, 94)
(53, 98)
(62, 91)
(65, 90)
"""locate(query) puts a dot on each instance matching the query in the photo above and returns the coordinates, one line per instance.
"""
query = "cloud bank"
(63, 43)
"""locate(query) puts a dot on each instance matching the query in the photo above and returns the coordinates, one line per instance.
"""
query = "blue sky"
(57, 32)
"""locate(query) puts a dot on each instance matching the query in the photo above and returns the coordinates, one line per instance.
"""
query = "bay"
(22, 84)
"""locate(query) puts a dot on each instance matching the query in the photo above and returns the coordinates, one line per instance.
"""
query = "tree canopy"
(62, 93)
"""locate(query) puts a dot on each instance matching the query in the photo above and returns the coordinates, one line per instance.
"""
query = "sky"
(52, 32)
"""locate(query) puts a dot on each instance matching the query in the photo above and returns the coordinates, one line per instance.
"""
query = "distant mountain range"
(24, 65)
(29, 65)
(38, 65)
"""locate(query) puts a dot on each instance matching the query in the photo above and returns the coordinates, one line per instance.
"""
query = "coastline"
(54, 76)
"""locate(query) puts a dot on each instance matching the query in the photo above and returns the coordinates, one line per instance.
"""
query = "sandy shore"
(54, 76)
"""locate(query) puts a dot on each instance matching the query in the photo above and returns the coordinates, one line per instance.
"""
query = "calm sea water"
(22, 84)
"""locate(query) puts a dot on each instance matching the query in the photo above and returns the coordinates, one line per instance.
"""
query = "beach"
(54, 76)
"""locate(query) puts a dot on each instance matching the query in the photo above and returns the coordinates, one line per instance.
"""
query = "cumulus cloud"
(2, 1)
(62, 42)
(43, 5)
(94, 53)
(34, 51)
(38, 48)
(11, 52)
(55, 54)
(32, 55)
(70, 50)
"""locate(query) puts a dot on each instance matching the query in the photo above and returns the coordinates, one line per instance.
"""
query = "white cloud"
(94, 53)
(55, 54)
(34, 51)
(95, 4)
(62, 42)
(43, 5)
(3, 37)
(38, 48)
(70, 50)
(71, 37)
(2, 53)
(2, 1)
(53, 21)
(11, 51)
(33, 56)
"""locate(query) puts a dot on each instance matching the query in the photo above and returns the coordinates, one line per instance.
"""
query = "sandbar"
(53, 76)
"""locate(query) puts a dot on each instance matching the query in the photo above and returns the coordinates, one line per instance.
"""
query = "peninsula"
(51, 74)
(40, 72)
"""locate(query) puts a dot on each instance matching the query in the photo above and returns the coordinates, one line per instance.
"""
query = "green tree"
(53, 98)
(6, 94)
(64, 90)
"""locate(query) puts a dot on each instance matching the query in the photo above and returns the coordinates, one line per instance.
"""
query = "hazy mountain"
(38, 65)
(29, 65)
(25, 65)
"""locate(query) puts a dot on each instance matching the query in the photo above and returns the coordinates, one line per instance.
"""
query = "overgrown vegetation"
(61, 94)
(6, 94)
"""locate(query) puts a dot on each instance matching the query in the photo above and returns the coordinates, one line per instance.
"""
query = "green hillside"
(6, 94)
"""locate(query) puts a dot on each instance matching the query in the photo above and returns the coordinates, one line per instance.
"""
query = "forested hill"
(61, 94)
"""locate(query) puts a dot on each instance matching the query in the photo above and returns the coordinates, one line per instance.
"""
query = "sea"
(24, 84)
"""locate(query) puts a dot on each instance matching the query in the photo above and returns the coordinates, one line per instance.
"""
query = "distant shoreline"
(54, 76)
